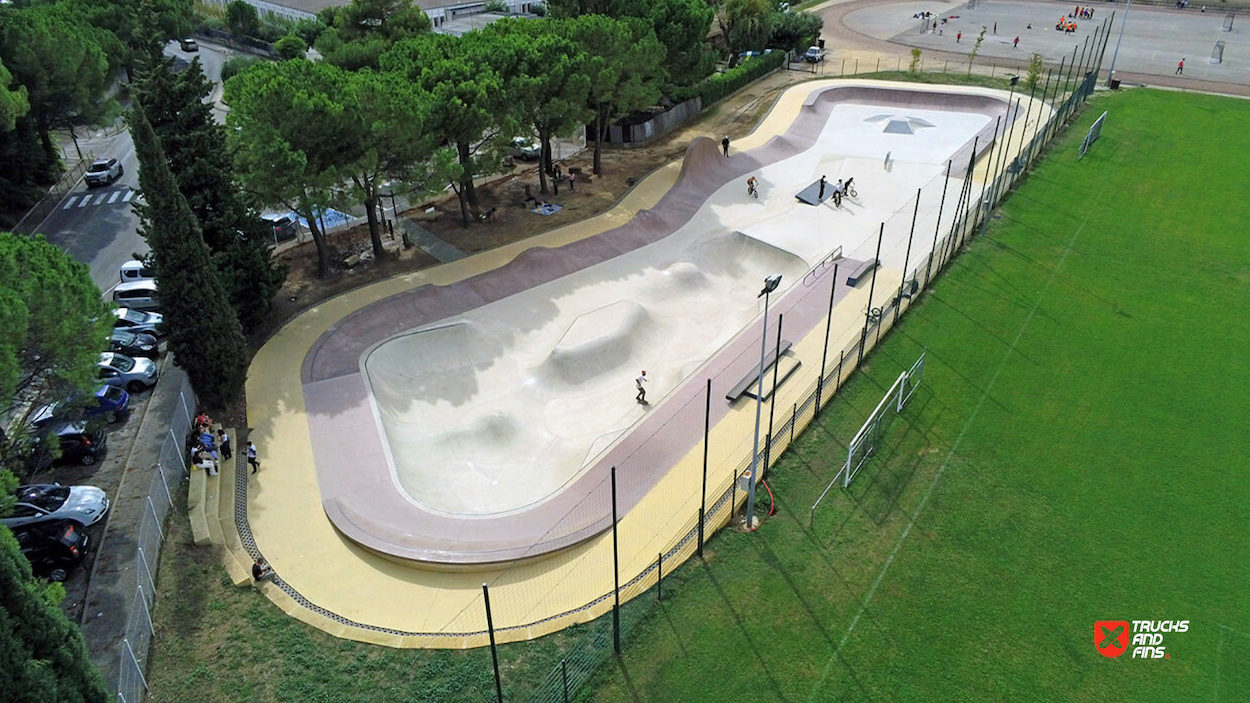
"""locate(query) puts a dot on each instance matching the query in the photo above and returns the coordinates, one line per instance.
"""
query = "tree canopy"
(44, 656)
(204, 332)
(55, 323)
(13, 102)
(362, 31)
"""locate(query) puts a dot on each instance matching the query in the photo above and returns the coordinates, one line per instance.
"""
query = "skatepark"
(461, 424)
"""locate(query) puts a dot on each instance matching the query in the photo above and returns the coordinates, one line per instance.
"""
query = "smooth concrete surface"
(1155, 39)
(536, 596)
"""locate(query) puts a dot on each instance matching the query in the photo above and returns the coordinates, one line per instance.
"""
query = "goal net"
(1095, 131)
(873, 433)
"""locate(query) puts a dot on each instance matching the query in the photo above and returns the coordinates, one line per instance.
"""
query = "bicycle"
(752, 190)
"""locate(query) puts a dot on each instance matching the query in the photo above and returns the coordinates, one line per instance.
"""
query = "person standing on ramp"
(724, 145)
(821, 195)
(642, 392)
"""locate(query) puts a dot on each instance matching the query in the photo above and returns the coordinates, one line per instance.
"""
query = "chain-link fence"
(171, 470)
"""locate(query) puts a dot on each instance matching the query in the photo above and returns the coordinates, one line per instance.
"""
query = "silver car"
(50, 502)
(139, 321)
(132, 374)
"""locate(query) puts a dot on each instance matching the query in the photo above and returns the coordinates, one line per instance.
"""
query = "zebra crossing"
(93, 199)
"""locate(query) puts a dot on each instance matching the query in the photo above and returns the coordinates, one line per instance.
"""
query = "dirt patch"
(592, 195)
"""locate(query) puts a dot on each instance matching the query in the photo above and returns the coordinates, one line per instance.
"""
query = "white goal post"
(1095, 131)
(865, 443)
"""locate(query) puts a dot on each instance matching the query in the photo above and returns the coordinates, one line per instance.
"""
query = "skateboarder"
(724, 145)
(1016, 43)
(642, 392)
(821, 194)
(1180, 68)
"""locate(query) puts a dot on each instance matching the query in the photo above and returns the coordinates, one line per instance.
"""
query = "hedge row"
(716, 86)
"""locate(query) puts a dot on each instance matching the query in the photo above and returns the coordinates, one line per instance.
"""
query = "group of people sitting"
(206, 445)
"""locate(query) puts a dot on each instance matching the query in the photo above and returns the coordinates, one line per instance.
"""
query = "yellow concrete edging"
(529, 599)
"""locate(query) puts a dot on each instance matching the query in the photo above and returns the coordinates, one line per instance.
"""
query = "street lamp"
(770, 285)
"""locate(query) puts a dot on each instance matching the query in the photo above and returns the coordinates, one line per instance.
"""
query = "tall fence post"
(564, 678)
(494, 655)
(616, 575)
(872, 287)
(824, 354)
(898, 302)
(659, 576)
(707, 429)
(938, 227)
(772, 403)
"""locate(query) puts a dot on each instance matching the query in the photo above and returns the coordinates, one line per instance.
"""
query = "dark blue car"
(110, 402)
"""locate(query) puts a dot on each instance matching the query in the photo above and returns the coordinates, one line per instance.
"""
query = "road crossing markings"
(116, 194)
(69, 202)
(129, 194)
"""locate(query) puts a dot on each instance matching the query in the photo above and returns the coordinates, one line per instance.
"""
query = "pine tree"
(195, 148)
(43, 654)
(204, 332)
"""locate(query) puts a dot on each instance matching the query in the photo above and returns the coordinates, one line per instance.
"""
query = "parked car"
(135, 375)
(137, 295)
(134, 344)
(47, 503)
(139, 321)
(134, 270)
(53, 549)
(814, 54)
(283, 227)
(525, 149)
(102, 172)
(108, 403)
(188, 44)
(80, 442)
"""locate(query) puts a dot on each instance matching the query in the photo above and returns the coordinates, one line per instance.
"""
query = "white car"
(525, 149)
(103, 172)
(51, 502)
(814, 54)
(139, 321)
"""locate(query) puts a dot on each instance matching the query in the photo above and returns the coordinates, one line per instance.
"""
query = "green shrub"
(234, 64)
(716, 86)
(290, 47)
(498, 7)
(539, 9)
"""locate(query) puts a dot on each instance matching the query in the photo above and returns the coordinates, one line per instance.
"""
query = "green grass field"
(1077, 453)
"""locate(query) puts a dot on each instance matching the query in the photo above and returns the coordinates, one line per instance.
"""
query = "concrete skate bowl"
(475, 423)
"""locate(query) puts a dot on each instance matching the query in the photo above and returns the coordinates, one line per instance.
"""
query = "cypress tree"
(42, 654)
(204, 332)
(195, 148)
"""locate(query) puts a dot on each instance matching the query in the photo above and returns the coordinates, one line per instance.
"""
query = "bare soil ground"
(736, 116)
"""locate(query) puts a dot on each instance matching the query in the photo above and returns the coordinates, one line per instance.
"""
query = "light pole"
(1114, 54)
(770, 285)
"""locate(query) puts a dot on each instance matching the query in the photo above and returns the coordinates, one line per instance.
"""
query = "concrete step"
(196, 491)
(235, 558)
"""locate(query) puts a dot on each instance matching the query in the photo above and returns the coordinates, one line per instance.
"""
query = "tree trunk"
(464, 206)
(319, 240)
(598, 169)
(375, 230)
(466, 181)
(544, 162)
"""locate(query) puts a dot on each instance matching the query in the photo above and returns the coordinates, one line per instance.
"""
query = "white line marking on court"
(69, 202)
(86, 200)
(116, 194)
(924, 500)
(129, 194)
(100, 200)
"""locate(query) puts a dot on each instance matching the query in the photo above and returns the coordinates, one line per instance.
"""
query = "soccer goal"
(1095, 131)
(869, 438)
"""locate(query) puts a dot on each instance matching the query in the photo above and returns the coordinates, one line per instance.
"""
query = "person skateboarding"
(642, 392)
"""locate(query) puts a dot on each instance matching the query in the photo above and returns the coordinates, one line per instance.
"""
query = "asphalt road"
(98, 226)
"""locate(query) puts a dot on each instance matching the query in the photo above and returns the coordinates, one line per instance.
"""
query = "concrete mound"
(703, 166)
(600, 342)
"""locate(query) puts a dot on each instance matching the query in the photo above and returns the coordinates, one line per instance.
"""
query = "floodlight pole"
(1114, 54)
(770, 285)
